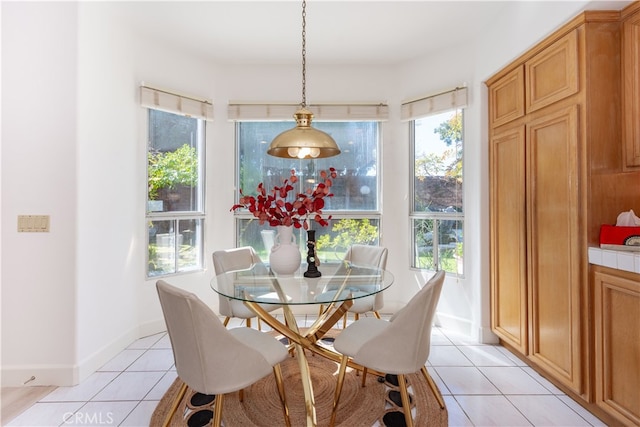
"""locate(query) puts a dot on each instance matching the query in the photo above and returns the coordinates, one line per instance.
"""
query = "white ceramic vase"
(284, 258)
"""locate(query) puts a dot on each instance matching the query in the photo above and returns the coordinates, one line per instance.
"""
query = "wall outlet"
(33, 223)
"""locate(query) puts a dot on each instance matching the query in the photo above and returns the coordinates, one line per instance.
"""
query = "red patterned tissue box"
(620, 238)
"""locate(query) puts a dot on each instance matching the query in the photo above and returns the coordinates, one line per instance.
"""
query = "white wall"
(73, 147)
(39, 121)
(110, 212)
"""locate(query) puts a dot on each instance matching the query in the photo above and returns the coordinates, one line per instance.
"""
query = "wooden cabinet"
(631, 84)
(552, 74)
(616, 304)
(507, 97)
(553, 235)
(558, 170)
(508, 237)
(542, 183)
(536, 269)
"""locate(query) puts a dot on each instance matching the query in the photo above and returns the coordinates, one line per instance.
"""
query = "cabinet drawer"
(507, 97)
(552, 74)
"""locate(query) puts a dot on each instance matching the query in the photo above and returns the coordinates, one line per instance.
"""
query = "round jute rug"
(376, 404)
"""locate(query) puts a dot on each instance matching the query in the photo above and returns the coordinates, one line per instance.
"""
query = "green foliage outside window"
(172, 168)
(345, 233)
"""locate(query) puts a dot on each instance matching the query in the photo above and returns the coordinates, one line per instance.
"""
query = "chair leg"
(406, 403)
(226, 321)
(336, 397)
(217, 410)
(375, 313)
(364, 375)
(356, 316)
(174, 405)
(249, 323)
(433, 386)
(259, 325)
(241, 395)
(277, 372)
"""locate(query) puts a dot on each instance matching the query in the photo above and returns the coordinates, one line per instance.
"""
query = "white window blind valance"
(160, 99)
(429, 105)
(238, 111)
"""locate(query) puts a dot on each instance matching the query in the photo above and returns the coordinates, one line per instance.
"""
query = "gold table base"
(308, 341)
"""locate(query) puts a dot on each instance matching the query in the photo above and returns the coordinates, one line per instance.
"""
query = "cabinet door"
(508, 238)
(617, 346)
(506, 97)
(631, 89)
(552, 74)
(554, 244)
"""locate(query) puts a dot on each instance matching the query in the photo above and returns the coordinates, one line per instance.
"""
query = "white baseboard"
(151, 328)
(95, 361)
(38, 375)
(454, 323)
(67, 375)
(486, 336)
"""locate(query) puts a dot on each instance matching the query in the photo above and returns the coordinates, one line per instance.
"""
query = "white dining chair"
(363, 256)
(399, 346)
(214, 360)
(231, 260)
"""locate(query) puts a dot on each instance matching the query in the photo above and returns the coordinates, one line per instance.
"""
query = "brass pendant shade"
(303, 141)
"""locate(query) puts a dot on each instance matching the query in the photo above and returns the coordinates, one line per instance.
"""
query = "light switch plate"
(33, 223)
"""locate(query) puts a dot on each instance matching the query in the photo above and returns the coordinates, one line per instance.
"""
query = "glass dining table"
(335, 291)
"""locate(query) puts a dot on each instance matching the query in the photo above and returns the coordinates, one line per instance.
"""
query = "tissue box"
(620, 238)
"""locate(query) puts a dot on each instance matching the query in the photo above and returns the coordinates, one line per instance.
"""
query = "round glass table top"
(339, 282)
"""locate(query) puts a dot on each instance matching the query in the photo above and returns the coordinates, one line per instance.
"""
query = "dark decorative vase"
(312, 264)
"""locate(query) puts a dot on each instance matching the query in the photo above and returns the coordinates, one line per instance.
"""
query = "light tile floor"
(483, 385)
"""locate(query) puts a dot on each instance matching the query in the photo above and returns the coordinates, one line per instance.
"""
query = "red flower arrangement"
(273, 207)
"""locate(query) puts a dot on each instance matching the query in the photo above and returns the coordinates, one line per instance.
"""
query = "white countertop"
(620, 260)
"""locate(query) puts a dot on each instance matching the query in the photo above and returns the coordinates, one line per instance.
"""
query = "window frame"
(198, 214)
(337, 215)
(436, 217)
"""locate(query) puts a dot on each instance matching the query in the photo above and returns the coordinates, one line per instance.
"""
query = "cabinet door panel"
(631, 89)
(554, 259)
(508, 238)
(552, 74)
(617, 347)
(507, 97)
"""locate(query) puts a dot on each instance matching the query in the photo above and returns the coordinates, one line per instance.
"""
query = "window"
(437, 211)
(175, 184)
(355, 204)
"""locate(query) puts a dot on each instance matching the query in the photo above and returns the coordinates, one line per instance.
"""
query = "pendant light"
(303, 141)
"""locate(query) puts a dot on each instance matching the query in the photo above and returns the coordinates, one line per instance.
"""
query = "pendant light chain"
(304, 54)
(303, 141)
